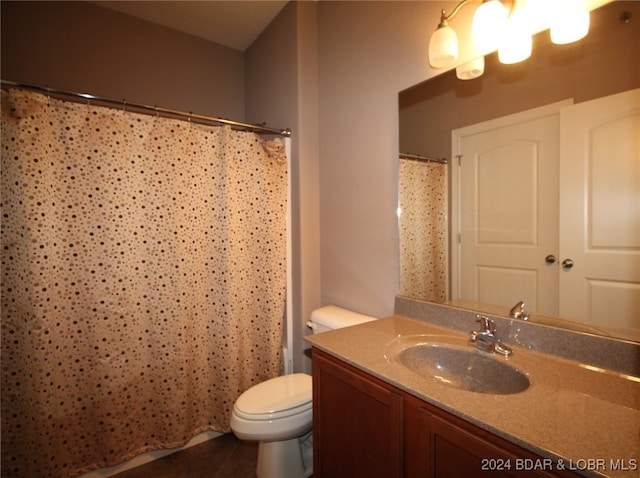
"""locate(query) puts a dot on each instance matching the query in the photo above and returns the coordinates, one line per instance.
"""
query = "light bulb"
(487, 25)
(471, 69)
(570, 22)
(516, 42)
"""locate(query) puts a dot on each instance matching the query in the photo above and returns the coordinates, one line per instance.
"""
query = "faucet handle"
(487, 324)
(517, 311)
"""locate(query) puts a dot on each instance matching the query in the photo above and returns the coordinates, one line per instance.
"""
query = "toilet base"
(286, 459)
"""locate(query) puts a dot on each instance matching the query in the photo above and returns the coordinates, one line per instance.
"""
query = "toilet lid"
(276, 398)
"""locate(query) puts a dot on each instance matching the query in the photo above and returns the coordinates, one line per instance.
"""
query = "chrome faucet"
(485, 339)
(517, 311)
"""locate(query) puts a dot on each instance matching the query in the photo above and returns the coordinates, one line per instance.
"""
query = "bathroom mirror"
(602, 65)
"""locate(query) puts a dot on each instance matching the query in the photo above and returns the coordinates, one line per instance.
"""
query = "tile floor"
(222, 457)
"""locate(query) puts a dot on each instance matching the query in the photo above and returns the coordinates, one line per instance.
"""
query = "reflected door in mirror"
(600, 211)
(507, 191)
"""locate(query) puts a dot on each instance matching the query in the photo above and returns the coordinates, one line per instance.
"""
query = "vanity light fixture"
(496, 27)
(488, 23)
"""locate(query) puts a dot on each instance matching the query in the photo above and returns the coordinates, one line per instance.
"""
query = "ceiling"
(235, 24)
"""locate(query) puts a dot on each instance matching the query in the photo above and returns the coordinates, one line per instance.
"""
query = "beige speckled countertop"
(570, 412)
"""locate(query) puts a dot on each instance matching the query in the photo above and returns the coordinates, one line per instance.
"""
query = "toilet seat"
(278, 397)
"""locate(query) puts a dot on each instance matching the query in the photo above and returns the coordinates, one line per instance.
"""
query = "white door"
(507, 205)
(600, 211)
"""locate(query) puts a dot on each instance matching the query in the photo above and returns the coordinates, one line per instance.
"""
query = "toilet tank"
(331, 317)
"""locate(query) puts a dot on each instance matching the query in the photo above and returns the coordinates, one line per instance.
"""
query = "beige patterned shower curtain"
(143, 280)
(423, 230)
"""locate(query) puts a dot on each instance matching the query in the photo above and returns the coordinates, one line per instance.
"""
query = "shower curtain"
(143, 280)
(423, 230)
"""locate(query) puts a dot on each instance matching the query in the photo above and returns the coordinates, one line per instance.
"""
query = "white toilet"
(278, 412)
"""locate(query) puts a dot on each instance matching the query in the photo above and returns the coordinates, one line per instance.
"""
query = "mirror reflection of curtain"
(423, 230)
(143, 281)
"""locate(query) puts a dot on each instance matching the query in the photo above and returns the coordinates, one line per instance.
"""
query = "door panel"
(600, 210)
(499, 285)
(507, 201)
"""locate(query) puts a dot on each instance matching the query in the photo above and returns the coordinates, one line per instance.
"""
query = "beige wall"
(307, 188)
(281, 87)
(351, 60)
(368, 52)
(79, 46)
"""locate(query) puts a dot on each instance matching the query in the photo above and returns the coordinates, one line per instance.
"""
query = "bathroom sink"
(448, 362)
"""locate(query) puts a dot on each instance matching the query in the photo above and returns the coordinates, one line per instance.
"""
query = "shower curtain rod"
(147, 109)
(427, 159)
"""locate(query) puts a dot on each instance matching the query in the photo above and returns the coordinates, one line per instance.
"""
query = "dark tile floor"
(222, 457)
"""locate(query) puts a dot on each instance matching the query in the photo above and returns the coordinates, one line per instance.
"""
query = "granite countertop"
(585, 416)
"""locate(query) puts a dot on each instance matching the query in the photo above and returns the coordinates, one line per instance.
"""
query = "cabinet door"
(357, 424)
(457, 452)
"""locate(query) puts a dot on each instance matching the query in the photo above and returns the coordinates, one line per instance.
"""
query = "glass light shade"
(516, 42)
(471, 69)
(570, 27)
(487, 25)
(443, 47)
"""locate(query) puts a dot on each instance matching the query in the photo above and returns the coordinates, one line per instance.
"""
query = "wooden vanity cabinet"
(364, 427)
